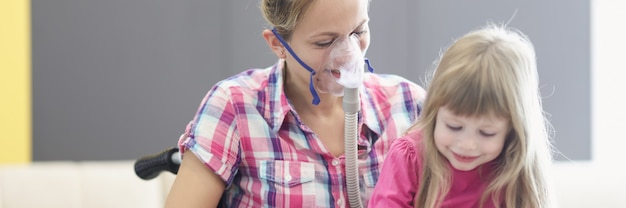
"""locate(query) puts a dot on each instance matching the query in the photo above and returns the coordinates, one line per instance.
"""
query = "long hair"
(284, 15)
(490, 71)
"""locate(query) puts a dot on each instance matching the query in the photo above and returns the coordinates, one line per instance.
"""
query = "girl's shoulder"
(408, 144)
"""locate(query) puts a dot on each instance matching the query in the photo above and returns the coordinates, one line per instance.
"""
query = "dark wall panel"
(116, 80)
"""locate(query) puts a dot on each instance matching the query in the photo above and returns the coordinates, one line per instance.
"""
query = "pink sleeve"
(397, 182)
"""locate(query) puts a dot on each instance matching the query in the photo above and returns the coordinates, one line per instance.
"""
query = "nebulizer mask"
(341, 74)
(342, 67)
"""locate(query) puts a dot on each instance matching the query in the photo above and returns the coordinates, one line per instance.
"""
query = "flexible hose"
(351, 107)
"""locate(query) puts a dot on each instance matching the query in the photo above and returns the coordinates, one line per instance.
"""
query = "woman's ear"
(274, 44)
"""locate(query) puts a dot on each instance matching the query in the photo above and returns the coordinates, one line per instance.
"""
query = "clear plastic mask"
(342, 67)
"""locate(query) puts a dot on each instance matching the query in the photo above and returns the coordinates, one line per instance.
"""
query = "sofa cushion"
(91, 184)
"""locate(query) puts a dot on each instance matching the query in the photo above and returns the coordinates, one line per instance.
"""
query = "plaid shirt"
(249, 134)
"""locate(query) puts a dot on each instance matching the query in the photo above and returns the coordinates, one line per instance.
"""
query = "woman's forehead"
(332, 16)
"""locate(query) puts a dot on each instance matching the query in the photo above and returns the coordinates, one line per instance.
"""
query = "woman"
(273, 137)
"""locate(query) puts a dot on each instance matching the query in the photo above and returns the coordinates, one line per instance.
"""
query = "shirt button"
(335, 162)
(340, 202)
(288, 178)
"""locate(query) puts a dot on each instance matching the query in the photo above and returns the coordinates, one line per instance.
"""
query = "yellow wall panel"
(15, 82)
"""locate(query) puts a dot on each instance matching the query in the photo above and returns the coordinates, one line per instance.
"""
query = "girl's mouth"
(465, 159)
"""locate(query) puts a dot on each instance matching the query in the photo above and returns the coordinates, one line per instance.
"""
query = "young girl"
(481, 140)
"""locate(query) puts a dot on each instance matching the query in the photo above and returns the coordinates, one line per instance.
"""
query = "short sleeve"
(212, 134)
(397, 184)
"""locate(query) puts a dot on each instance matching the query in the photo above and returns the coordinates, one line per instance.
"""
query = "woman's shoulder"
(390, 85)
(255, 78)
(386, 80)
(242, 87)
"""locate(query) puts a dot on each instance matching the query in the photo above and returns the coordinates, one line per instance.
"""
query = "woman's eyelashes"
(326, 43)
(359, 33)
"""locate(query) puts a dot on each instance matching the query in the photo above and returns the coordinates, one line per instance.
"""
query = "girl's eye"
(454, 128)
(485, 134)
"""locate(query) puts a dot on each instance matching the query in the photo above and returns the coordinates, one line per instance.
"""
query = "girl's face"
(468, 142)
(323, 23)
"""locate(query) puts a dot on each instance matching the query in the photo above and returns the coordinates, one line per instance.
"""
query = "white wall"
(608, 40)
(601, 182)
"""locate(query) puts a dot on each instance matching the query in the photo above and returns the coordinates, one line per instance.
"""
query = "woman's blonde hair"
(285, 14)
(490, 71)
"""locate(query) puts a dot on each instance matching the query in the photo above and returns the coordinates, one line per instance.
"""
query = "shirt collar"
(278, 102)
(278, 105)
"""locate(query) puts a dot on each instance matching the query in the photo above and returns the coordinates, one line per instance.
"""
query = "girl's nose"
(467, 142)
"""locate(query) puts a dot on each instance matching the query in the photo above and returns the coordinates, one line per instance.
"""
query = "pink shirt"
(398, 182)
(249, 134)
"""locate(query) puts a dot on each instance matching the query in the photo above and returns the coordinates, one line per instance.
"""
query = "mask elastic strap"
(369, 65)
(316, 98)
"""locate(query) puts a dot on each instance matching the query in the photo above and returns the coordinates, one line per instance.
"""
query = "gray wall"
(117, 79)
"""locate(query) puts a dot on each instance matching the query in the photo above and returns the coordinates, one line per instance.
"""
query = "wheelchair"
(149, 167)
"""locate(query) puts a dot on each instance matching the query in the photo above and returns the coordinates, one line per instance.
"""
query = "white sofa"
(94, 184)
(91, 184)
(589, 185)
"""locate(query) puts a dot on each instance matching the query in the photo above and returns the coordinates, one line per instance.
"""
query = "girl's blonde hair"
(490, 71)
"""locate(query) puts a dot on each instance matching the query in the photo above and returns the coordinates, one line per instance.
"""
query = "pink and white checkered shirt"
(248, 133)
